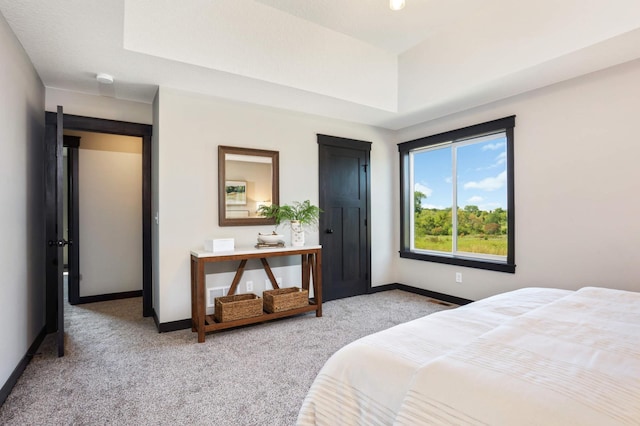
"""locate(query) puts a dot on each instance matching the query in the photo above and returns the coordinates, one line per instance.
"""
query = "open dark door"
(344, 231)
(54, 225)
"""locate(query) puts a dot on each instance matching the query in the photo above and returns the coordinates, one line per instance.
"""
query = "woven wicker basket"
(231, 308)
(284, 299)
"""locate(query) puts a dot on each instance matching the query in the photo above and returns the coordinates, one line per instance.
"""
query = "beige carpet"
(119, 370)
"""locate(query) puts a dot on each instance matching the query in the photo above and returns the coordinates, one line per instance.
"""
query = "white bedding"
(529, 357)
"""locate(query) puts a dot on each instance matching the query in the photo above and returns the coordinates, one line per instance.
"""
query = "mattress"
(527, 357)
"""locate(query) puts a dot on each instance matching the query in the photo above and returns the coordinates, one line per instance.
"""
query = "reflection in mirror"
(247, 179)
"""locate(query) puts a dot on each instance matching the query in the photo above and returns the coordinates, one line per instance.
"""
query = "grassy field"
(496, 245)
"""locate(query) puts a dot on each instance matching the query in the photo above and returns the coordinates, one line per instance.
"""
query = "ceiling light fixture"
(104, 78)
(396, 4)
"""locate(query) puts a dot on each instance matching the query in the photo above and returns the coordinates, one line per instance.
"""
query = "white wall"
(22, 257)
(110, 213)
(190, 128)
(575, 165)
(576, 188)
(98, 106)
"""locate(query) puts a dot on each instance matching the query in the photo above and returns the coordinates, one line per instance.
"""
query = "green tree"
(498, 216)
(417, 201)
(491, 228)
(423, 223)
(472, 209)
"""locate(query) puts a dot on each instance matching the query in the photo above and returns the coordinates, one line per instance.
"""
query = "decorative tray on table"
(270, 240)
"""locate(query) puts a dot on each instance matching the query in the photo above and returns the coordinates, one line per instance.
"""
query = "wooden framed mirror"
(247, 179)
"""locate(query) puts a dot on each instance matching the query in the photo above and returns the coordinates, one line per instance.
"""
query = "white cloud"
(448, 179)
(499, 161)
(493, 146)
(487, 207)
(423, 188)
(476, 199)
(433, 206)
(488, 184)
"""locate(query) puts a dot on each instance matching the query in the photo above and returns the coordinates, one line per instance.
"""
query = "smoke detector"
(104, 78)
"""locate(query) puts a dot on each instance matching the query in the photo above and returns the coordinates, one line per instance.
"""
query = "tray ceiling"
(349, 59)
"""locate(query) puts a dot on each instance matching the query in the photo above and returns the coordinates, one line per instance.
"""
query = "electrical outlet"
(458, 277)
(249, 285)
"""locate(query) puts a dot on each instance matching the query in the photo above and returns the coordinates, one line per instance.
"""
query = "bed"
(528, 357)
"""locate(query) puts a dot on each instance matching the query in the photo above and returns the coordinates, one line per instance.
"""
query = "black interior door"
(344, 232)
(54, 225)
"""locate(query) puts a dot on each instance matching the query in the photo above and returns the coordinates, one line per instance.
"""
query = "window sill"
(460, 261)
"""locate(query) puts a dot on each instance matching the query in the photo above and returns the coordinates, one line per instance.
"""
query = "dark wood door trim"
(344, 143)
(356, 145)
(144, 131)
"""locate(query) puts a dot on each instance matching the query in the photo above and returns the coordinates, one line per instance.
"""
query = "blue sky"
(482, 175)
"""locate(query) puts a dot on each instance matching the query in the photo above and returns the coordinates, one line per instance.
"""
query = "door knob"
(59, 243)
(329, 231)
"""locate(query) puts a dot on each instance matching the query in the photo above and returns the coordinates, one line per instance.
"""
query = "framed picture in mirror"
(235, 192)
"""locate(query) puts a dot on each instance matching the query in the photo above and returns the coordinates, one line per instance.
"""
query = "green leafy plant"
(304, 212)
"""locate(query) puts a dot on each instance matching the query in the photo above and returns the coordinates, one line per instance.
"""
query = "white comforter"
(529, 357)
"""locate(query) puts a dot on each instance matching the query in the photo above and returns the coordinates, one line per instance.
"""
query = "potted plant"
(298, 214)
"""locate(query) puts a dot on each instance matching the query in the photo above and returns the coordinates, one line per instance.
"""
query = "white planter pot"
(297, 234)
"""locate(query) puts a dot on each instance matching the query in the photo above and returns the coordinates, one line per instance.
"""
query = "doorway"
(345, 201)
(103, 194)
(143, 131)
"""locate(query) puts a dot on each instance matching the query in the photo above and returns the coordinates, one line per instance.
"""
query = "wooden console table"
(311, 269)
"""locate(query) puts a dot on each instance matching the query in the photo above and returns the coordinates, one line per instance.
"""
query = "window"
(472, 169)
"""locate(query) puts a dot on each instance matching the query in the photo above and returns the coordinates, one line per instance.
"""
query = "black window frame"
(506, 124)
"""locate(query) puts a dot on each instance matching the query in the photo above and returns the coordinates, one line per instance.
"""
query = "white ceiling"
(349, 59)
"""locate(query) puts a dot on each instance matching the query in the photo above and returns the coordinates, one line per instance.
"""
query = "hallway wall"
(22, 258)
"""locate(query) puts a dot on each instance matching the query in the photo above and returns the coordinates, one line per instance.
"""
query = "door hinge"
(365, 222)
(364, 166)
